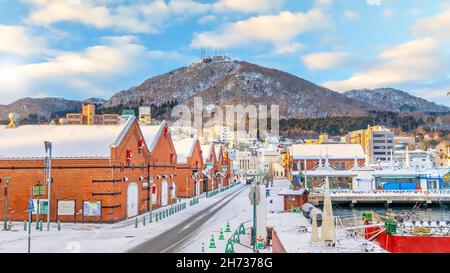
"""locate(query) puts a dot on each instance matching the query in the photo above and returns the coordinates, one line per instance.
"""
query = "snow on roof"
(184, 148)
(151, 134)
(69, 141)
(291, 192)
(334, 151)
(206, 151)
(217, 150)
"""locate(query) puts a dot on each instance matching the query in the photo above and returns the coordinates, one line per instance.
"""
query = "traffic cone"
(260, 243)
(228, 228)
(212, 244)
(221, 235)
(298, 210)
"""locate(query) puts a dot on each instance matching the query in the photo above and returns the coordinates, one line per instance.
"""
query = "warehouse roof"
(184, 148)
(206, 151)
(152, 133)
(68, 141)
(333, 151)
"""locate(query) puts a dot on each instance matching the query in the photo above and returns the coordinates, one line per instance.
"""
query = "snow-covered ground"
(97, 238)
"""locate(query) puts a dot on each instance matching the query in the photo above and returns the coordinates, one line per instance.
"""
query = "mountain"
(39, 109)
(221, 80)
(390, 99)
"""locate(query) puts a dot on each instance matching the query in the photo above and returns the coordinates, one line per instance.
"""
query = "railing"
(387, 192)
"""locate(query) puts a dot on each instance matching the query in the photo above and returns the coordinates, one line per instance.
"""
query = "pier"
(383, 197)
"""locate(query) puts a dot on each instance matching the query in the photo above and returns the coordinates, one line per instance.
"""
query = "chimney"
(14, 119)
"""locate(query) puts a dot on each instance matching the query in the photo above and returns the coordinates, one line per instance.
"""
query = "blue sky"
(93, 48)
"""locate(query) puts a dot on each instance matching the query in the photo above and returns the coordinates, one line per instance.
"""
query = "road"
(170, 240)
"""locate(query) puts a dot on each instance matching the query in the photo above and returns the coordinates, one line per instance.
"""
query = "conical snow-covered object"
(314, 229)
(328, 230)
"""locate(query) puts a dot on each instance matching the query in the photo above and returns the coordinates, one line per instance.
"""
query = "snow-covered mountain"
(390, 99)
(221, 80)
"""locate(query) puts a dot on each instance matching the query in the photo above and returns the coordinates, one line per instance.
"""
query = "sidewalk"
(94, 238)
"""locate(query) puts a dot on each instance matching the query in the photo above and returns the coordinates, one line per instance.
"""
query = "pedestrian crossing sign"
(31, 206)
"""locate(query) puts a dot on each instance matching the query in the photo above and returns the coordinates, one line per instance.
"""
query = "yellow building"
(377, 142)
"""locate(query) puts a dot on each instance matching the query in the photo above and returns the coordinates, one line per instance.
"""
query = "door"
(132, 200)
(164, 193)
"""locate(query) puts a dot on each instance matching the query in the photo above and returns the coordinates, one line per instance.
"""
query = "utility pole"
(30, 211)
(48, 150)
(5, 224)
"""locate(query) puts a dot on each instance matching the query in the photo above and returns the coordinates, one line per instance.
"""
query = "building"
(340, 156)
(377, 142)
(222, 166)
(161, 163)
(189, 167)
(145, 115)
(210, 163)
(88, 117)
(96, 170)
(442, 155)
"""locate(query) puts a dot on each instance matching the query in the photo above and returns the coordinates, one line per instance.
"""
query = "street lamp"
(5, 224)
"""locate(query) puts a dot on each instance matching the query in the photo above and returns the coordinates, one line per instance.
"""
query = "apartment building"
(377, 142)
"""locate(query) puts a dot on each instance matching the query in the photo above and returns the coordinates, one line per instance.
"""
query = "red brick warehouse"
(162, 159)
(97, 171)
(189, 167)
(210, 162)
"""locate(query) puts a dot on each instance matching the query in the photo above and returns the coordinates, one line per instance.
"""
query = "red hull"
(410, 243)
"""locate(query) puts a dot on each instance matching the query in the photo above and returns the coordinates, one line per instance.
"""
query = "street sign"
(170, 187)
(254, 190)
(224, 168)
(39, 190)
(31, 206)
(151, 180)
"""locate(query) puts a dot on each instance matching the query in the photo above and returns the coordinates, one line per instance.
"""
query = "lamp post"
(5, 224)
(48, 150)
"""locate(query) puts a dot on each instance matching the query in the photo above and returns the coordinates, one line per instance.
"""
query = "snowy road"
(177, 238)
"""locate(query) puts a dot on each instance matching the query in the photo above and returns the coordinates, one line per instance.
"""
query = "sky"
(79, 49)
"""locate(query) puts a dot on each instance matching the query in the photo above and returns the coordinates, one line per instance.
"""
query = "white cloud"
(351, 15)
(437, 26)
(248, 6)
(138, 17)
(324, 60)
(373, 2)
(89, 72)
(388, 13)
(417, 60)
(19, 40)
(280, 30)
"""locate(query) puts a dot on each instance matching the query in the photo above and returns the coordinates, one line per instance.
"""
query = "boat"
(411, 237)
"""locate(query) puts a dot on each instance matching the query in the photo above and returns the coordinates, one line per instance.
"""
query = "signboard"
(151, 180)
(145, 185)
(92, 208)
(39, 190)
(170, 187)
(42, 206)
(209, 165)
(224, 168)
(66, 207)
